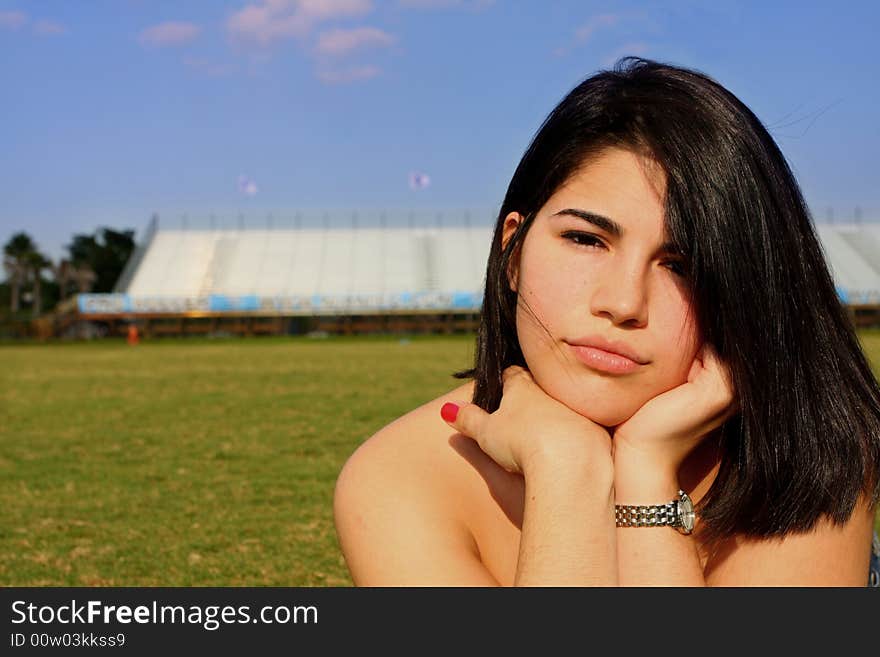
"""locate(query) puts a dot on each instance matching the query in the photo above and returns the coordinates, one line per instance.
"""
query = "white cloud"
(328, 9)
(429, 4)
(341, 42)
(446, 4)
(599, 22)
(586, 31)
(15, 20)
(49, 28)
(169, 34)
(12, 20)
(354, 74)
(267, 21)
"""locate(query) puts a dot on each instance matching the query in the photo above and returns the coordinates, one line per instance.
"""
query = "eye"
(677, 267)
(583, 239)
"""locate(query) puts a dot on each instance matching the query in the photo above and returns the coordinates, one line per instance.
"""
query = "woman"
(659, 329)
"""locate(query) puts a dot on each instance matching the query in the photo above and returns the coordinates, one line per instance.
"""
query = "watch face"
(686, 512)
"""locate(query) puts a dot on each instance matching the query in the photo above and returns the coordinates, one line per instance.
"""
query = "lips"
(610, 356)
(611, 346)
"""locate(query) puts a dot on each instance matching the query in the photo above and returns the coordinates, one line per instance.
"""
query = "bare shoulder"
(829, 555)
(412, 443)
(396, 505)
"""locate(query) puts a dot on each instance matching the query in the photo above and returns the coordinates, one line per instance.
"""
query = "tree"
(62, 272)
(15, 274)
(36, 263)
(16, 261)
(104, 254)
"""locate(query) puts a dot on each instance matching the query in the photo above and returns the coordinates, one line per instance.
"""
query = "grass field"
(197, 462)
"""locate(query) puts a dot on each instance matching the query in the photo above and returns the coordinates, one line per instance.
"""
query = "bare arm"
(652, 556)
(568, 533)
(648, 450)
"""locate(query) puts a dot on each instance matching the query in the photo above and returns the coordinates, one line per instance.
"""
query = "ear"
(511, 223)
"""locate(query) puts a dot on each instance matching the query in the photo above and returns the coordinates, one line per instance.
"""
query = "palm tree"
(37, 262)
(62, 271)
(16, 254)
(15, 274)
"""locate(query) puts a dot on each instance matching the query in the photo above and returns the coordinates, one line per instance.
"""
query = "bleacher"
(332, 265)
(853, 254)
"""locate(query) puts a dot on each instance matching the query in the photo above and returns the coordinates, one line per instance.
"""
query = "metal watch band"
(677, 513)
(647, 516)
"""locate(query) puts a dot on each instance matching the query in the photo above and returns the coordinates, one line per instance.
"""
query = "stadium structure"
(339, 272)
(356, 272)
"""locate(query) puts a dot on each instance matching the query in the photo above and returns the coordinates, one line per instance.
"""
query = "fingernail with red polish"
(449, 411)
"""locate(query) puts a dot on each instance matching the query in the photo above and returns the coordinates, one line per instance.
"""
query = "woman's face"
(599, 283)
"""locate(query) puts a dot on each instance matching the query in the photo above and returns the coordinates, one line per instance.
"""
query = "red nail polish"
(449, 412)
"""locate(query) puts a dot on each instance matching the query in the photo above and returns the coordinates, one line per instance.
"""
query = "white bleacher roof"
(309, 261)
(432, 262)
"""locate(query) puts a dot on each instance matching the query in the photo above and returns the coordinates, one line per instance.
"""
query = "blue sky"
(115, 109)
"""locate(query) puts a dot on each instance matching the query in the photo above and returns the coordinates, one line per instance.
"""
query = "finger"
(717, 369)
(711, 359)
(694, 371)
(467, 419)
(722, 372)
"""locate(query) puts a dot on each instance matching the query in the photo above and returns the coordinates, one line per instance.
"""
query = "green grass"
(194, 463)
(197, 462)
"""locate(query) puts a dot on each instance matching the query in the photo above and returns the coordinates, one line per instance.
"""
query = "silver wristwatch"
(678, 513)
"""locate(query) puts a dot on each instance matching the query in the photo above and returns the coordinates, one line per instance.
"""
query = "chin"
(607, 417)
(603, 407)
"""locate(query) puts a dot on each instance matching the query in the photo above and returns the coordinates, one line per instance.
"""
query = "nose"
(620, 295)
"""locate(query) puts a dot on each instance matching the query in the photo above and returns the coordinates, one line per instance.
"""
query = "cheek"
(676, 330)
(551, 297)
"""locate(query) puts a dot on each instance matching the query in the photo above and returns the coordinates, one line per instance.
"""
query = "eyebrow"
(608, 225)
